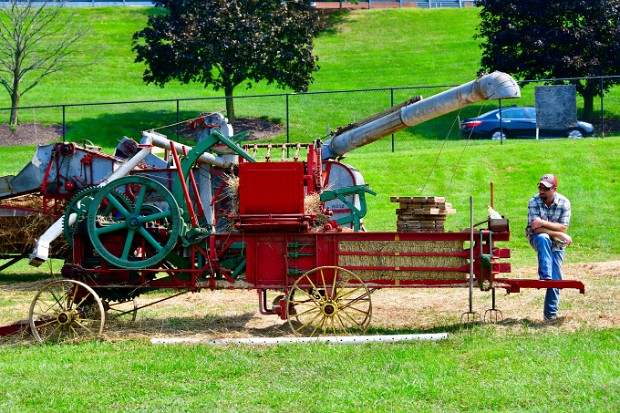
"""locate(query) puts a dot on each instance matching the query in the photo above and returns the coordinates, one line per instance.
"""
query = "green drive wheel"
(66, 310)
(143, 239)
(329, 300)
(79, 205)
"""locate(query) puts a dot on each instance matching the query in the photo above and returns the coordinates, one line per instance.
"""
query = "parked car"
(516, 122)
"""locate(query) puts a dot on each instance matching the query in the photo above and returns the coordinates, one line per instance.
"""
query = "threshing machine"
(213, 217)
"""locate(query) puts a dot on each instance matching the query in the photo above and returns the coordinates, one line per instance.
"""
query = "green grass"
(476, 370)
(379, 48)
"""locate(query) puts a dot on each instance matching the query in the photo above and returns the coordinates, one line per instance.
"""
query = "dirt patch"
(40, 133)
(233, 314)
(29, 134)
(258, 128)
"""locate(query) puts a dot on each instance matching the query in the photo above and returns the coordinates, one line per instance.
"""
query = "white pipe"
(162, 141)
(291, 340)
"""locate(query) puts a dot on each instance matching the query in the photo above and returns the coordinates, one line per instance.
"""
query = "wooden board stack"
(422, 213)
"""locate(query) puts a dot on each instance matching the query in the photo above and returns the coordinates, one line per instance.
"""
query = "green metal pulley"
(140, 228)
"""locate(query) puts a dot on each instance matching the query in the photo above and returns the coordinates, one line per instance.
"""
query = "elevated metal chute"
(496, 85)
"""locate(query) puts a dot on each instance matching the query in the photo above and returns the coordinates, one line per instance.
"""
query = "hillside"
(362, 49)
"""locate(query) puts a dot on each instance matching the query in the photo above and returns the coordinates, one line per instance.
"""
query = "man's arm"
(554, 229)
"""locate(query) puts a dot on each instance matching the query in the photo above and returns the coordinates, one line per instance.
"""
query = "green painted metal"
(192, 157)
(132, 223)
(80, 205)
(356, 213)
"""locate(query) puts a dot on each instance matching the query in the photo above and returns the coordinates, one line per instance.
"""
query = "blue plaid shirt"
(558, 211)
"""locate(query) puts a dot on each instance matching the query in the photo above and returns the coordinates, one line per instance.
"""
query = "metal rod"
(471, 253)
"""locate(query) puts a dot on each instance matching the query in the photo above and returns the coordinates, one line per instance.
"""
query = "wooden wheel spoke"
(58, 300)
(350, 318)
(343, 293)
(58, 328)
(81, 323)
(304, 325)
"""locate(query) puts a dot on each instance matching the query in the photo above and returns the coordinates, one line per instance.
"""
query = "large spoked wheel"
(66, 310)
(144, 236)
(329, 300)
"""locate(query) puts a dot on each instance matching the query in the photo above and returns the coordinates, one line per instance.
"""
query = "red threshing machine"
(212, 217)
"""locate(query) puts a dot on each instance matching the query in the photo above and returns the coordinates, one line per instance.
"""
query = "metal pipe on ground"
(296, 340)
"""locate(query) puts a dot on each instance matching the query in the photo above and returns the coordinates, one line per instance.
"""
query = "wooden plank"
(419, 199)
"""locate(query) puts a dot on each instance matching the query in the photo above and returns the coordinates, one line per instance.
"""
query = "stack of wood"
(422, 213)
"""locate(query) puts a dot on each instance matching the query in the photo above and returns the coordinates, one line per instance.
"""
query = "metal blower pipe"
(163, 142)
(496, 85)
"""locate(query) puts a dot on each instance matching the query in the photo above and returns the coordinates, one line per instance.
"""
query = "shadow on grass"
(108, 129)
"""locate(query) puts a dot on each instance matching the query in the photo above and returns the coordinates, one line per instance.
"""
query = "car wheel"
(575, 134)
(497, 135)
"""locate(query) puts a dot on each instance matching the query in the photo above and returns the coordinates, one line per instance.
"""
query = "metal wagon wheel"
(140, 249)
(329, 300)
(66, 310)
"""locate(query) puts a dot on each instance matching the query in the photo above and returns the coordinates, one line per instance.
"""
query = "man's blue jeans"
(549, 268)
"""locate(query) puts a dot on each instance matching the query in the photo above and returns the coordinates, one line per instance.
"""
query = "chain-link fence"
(277, 118)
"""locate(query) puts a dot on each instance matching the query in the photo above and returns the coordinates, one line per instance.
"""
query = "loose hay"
(19, 234)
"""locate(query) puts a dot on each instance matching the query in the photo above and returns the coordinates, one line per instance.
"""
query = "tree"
(536, 39)
(224, 43)
(37, 38)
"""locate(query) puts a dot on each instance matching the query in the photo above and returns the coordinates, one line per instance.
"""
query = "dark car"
(516, 122)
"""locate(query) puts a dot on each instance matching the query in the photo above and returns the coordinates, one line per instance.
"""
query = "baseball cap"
(549, 180)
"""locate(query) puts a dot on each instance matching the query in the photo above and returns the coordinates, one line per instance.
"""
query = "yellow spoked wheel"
(66, 310)
(329, 300)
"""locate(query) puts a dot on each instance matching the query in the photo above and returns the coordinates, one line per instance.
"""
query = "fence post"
(177, 126)
(602, 109)
(64, 124)
(392, 104)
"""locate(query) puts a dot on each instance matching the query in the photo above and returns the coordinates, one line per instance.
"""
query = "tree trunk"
(230, 104)
(14, 105)
(588, 93)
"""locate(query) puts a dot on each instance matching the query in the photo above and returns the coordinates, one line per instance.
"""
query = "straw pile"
(422, 213)
(391, 260)
(312, 206)
(18, 233)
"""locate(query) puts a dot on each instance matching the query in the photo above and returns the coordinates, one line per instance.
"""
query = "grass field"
(519, 365)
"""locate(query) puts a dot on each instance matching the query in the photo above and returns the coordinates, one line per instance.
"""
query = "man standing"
(548, 216)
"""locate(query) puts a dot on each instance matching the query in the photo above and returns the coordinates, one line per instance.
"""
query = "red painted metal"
(260, 188)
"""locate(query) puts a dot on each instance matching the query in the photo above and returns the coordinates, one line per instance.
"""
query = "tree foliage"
(535, 39)
(224, 43)
(37, 38)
